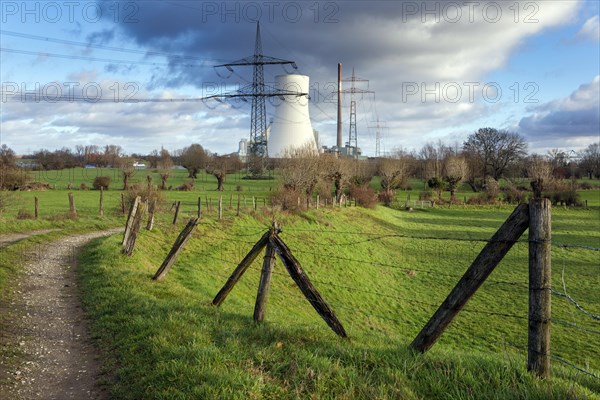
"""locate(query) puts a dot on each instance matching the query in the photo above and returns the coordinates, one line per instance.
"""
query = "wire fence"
(416, 273)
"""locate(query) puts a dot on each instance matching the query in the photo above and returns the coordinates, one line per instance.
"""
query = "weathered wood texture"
(132, 210)
(240, 269)
(540, 287)
(72, 209)
(132, 228)
(101, 206)
(151, 212)
(480, 269)
(181, 240)
(310, 292)
(177, 205)
(220, 207)
(265, 284)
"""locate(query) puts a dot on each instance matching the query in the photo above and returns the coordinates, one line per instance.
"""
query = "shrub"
(564, 197)
(586, 186)
(13, 178)
(364, 195)
(83, 186)
(287, 199)
(146, 193)
(513, 194)
(101, 182)
(187, 186)
(386, 197)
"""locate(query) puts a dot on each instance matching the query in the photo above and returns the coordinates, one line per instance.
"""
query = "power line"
(103, 47)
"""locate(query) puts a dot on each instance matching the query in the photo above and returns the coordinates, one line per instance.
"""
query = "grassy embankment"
(164, 341)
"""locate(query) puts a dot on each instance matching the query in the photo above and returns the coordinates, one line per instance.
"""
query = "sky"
(438, 70)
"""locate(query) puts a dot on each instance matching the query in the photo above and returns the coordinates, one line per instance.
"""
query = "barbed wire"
(574, 326)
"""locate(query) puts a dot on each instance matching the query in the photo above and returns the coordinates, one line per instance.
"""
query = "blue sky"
(439, 70)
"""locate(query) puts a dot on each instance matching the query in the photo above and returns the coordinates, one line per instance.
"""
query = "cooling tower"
(291, 128)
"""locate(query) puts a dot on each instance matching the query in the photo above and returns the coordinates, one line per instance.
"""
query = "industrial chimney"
(291, 128)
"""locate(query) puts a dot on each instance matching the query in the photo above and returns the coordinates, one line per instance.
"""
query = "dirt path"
(9, 238)
(48, 328)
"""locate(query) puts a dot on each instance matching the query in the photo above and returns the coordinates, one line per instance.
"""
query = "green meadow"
(383, 271)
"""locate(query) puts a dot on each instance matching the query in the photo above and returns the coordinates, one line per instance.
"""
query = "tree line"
(484, 158)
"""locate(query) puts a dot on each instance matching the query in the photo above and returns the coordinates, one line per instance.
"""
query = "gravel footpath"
(55, 358)
(9, 238)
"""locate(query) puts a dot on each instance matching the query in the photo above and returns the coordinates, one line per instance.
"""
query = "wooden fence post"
(199, 207)
(177, 205)
(265, 284)
(181, 240)
(310, 292)
(72, 209)
(122, 203)
(134, 221)
(318, 202)
(540, 289)
(489, 257)
(36, 207)
(101, 210)
(220, 207)
(151, 211)
(240, 269)
(238, 207)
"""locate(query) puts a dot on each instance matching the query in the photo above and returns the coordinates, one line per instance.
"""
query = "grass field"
(167, 342)
(384, 272)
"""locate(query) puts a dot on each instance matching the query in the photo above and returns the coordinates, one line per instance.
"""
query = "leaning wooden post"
(181, 240)
(310, 292)
(480, 269)
(177, 205)
(540, 288)
(151, 211)
(36, 207)
(134, 221)
(240, 269)
(72, 209)
(101, 210)
(265, 284)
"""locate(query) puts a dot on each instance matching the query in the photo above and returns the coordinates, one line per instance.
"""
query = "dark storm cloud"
(562, 123)
(577, 115)
(316, 35)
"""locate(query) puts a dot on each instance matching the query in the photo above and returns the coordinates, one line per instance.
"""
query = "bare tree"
(391, 172)
(454, 171)
(495, 150)
(164, 164)
(337, 171)
(220, 166)
(194, 158)
(127, 170)
(301, 170)
(590, 160)
(112, 153)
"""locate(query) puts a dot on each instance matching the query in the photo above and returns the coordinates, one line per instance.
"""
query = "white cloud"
(590, 29)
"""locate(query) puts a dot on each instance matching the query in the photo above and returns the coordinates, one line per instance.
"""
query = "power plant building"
(291, 128)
